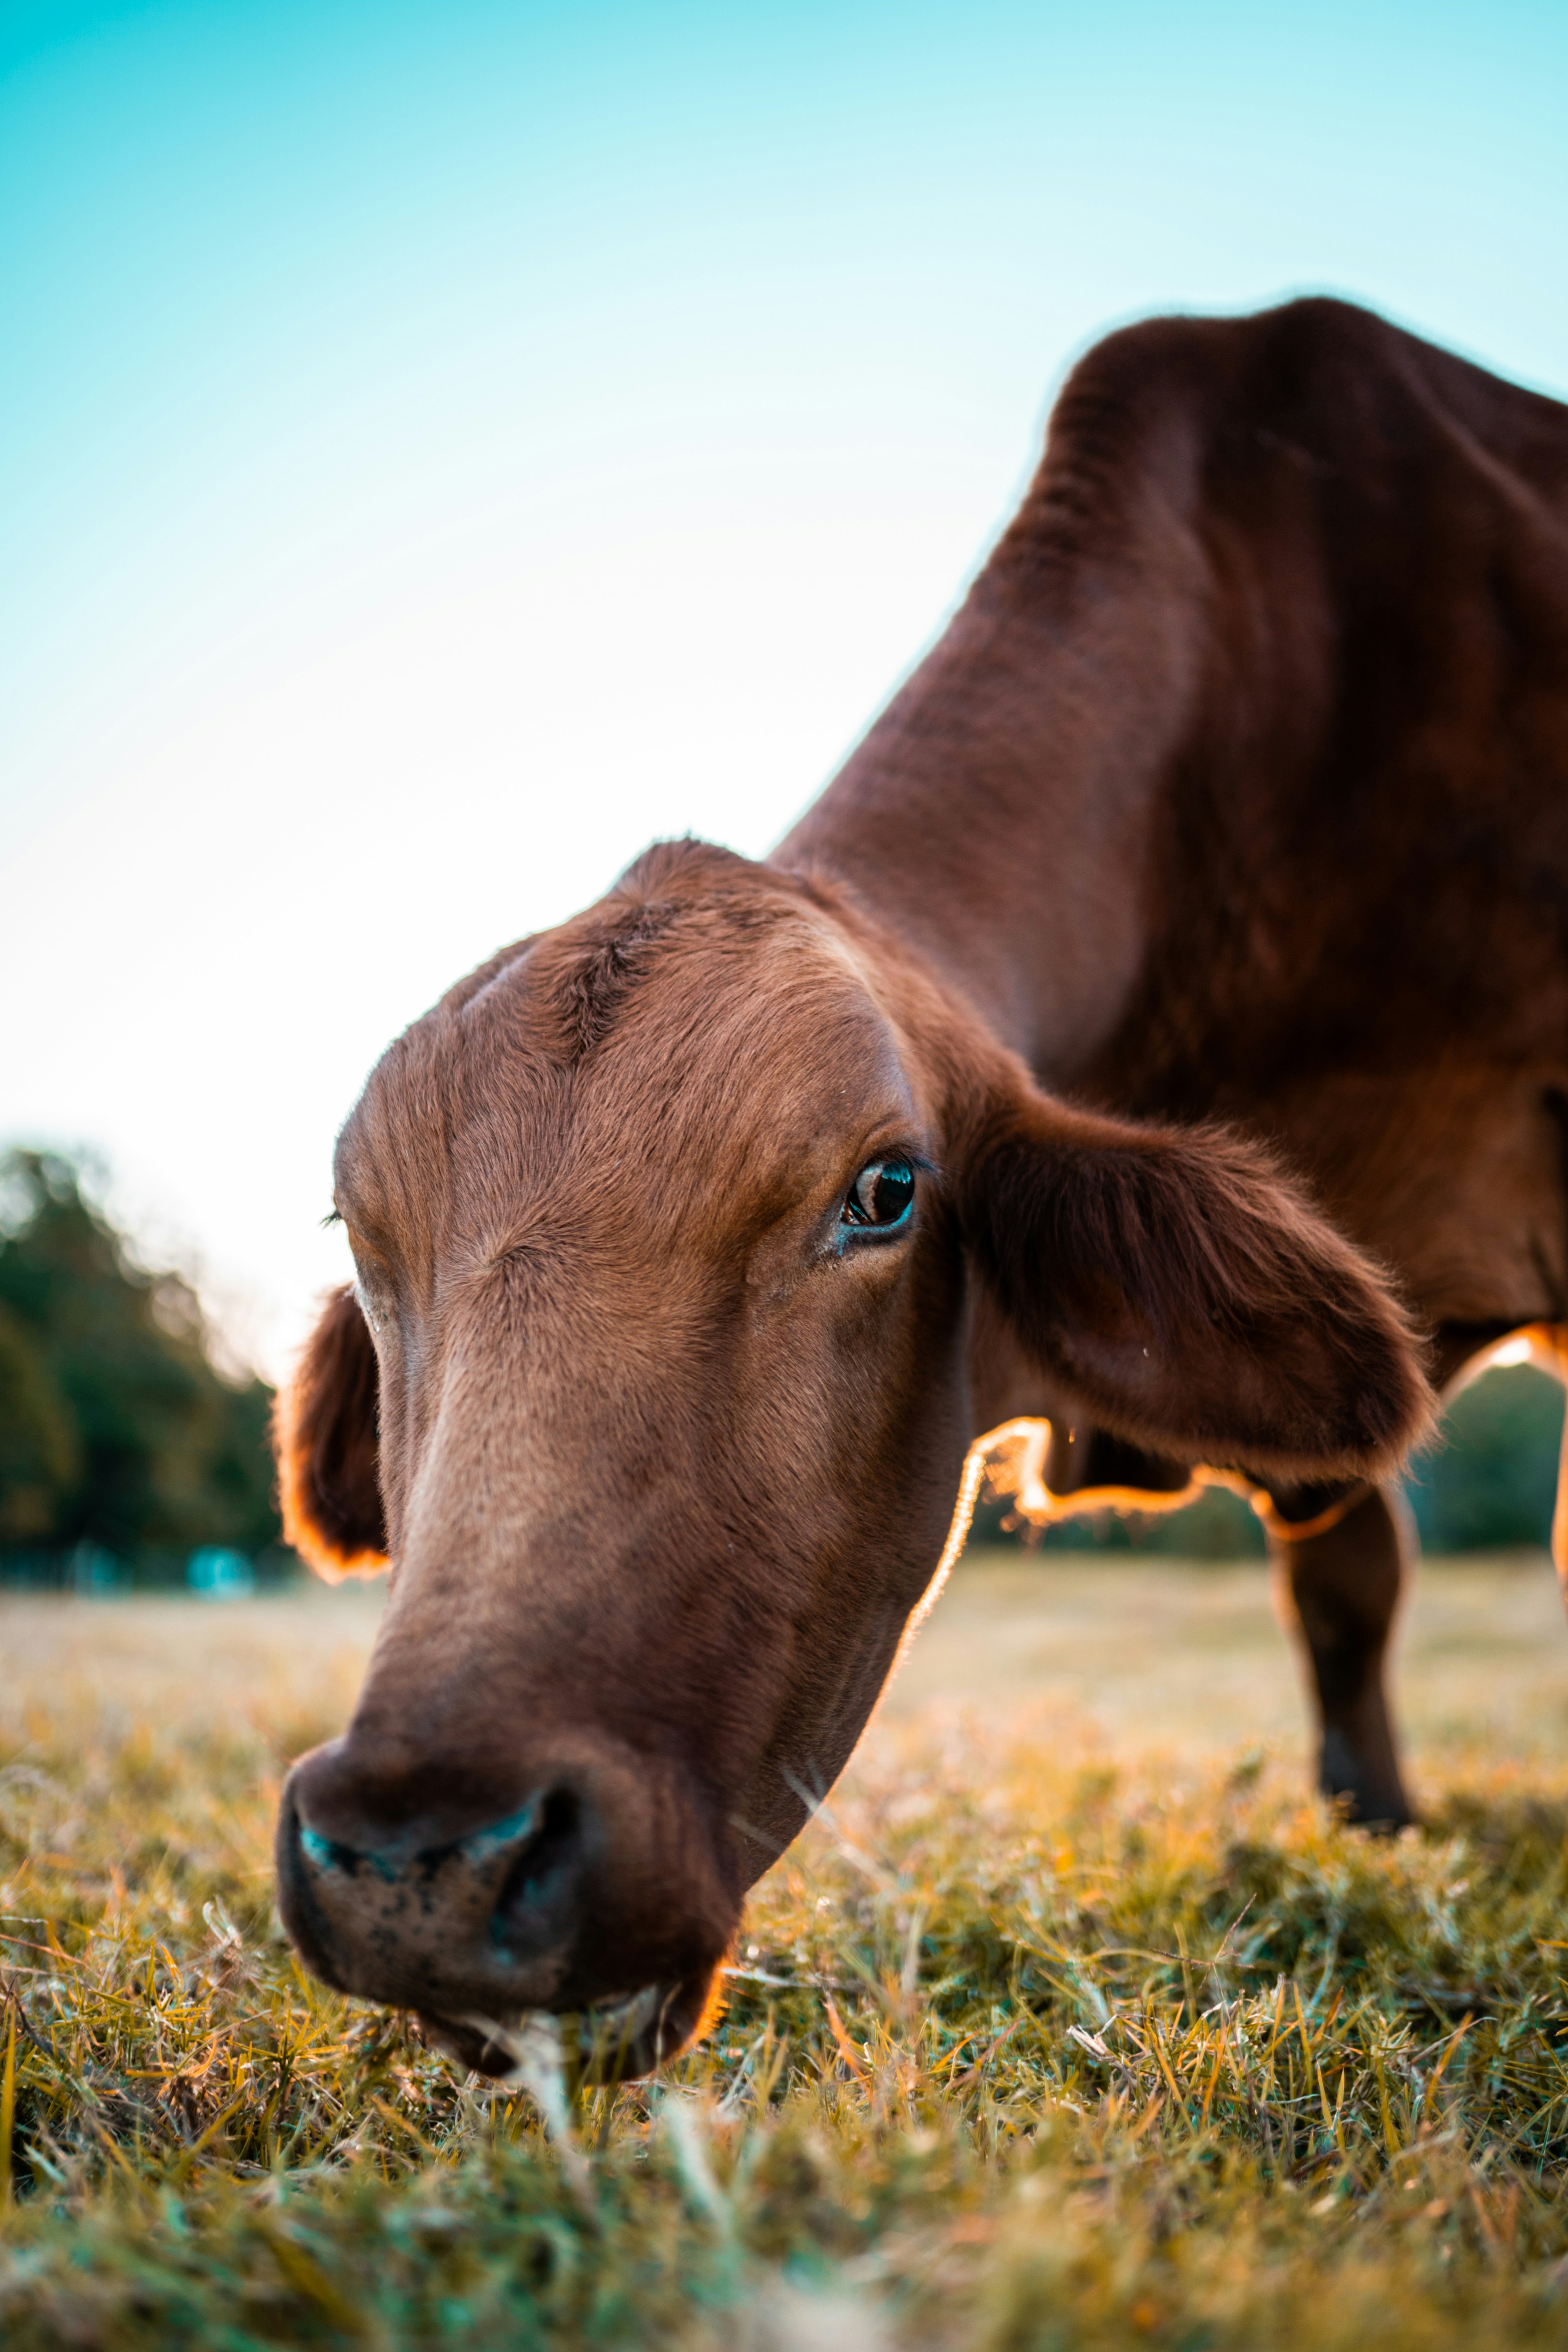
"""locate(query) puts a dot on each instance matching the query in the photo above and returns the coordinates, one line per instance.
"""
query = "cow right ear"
(324, 1434)
(1182, 1293)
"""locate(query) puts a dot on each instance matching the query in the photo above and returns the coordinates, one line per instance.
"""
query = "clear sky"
(444, 445)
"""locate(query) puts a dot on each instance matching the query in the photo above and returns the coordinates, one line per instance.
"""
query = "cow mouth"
(611, 2042)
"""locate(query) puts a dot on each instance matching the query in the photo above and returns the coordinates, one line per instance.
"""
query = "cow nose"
(431, 1907)
(537, 1847)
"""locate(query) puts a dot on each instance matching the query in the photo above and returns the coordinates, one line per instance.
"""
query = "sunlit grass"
(1029, 2045)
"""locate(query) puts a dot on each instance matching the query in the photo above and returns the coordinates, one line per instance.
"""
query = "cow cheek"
(879, 1549)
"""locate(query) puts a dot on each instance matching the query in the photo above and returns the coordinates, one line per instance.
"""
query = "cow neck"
(994, 821)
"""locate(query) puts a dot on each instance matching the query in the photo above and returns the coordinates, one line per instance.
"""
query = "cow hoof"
(1362, 1796)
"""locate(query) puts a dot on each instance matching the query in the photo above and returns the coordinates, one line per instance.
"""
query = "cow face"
(655, 1387)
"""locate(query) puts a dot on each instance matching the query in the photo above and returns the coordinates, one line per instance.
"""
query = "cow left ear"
(324, 1435)
(1178, 1290)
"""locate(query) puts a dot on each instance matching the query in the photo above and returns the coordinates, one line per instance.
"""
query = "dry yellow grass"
(1119, 1651)
(1074, 2021)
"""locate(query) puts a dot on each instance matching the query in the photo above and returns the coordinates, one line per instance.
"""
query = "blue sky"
(442, 447)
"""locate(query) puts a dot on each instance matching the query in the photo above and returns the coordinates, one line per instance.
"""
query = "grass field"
(1072, 2021)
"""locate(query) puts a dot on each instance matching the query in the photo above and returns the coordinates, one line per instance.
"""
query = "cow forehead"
(724, 1055)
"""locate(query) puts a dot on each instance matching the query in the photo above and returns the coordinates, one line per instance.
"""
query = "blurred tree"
(41, 1458)
(1493, 1478)
(116, 1428)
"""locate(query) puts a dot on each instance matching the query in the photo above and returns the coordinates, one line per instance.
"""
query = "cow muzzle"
(593, 1893)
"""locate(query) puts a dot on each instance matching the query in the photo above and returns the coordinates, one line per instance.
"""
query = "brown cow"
(1224, 835)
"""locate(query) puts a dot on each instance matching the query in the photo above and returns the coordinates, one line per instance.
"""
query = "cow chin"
(610, 2042)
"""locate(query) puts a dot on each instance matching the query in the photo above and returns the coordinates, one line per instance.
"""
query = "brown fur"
(1221, 837)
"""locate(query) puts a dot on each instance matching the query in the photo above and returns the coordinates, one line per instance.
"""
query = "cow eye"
(881, 1195)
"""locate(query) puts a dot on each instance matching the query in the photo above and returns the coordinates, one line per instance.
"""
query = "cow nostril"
(539, 1886)
(331, 1854)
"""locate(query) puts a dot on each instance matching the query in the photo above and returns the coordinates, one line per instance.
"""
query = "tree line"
(118, 1431)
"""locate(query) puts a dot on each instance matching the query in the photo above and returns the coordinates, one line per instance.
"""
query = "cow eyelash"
(914, 1161)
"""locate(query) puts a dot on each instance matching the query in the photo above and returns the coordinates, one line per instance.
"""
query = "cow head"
(655, 1385)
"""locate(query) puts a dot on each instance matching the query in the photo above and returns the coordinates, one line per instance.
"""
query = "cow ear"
(324, 1432)
(1178, 1290)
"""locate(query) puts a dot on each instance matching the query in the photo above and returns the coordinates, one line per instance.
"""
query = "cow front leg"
(1337, 1590)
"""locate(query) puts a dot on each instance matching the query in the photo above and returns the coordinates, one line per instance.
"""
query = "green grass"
(1035, 2043)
